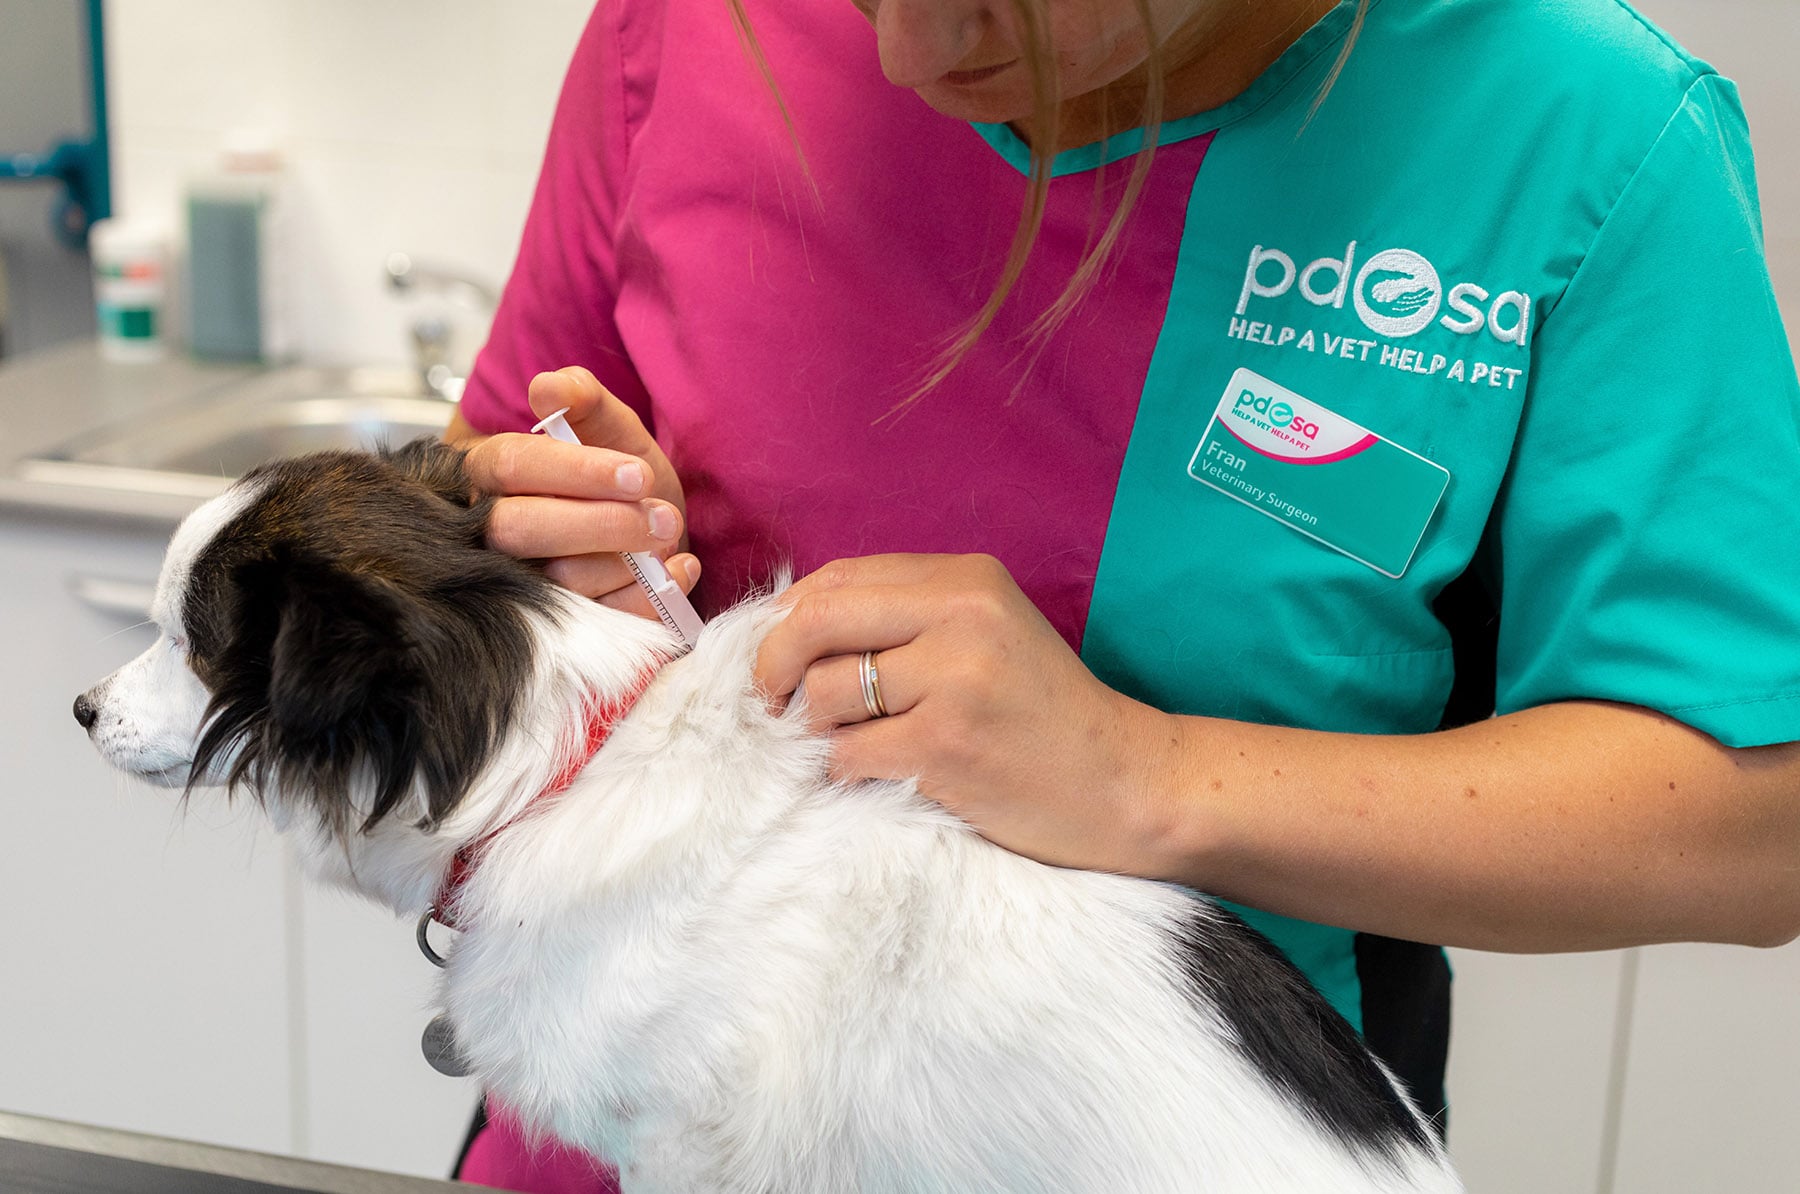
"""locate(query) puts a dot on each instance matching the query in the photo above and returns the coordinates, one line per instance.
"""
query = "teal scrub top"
(1518, 240)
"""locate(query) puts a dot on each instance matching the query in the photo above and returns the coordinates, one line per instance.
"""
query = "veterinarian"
(1429, 367)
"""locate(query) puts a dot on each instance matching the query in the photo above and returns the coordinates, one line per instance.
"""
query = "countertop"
(148, 443)
(45, 1156)
(65, 393)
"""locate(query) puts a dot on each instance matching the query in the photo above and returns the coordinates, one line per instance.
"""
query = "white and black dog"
(689, 951)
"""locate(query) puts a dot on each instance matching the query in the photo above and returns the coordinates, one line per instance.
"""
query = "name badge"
(1318, 473)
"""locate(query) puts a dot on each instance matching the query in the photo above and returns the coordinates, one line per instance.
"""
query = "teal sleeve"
(1647, 537)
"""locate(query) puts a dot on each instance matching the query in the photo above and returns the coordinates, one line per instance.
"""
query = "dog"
(681, 946)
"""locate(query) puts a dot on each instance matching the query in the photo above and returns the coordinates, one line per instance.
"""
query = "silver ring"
(421, 935)
(871, 687)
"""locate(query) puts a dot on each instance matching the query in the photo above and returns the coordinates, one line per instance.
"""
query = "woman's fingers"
(895, 568)
(603, 423)
(889, 749)
(513, 464)
(541, 528)
(598, 573)
(628, 596)
(834, 686)
(875, 603)
(607, 577)
(826, 622)
(576, 506)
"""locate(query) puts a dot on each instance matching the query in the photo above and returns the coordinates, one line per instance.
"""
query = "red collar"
(602, 716)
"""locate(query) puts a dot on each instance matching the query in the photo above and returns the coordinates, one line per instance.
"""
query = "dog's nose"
(85, 712)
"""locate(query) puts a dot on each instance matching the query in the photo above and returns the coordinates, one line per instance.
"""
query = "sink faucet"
(431, 333)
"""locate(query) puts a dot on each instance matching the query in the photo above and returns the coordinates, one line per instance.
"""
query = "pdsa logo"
(1282, 425)
(1283, 421)
(1397, 293)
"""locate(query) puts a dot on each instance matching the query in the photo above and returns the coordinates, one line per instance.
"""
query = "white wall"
(1754, 42)
(413, 125)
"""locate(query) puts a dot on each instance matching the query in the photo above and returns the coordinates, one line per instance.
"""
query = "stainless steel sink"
(194, 452)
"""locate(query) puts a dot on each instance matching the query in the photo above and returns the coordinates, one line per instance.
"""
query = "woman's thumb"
(598, 418)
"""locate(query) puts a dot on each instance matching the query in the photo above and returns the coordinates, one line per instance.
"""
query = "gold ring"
(871, 687)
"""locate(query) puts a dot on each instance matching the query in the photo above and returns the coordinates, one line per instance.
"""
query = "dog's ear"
(313, 687)
(338, 689)
(344, 689)
(436, 465)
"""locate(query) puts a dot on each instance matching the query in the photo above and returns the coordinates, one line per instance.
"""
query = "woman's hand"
(987, 705)
(577, 506)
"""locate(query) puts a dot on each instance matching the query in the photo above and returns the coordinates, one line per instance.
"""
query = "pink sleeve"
(557, 308)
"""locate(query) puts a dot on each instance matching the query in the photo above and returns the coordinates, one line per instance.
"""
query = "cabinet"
(1672, 1069)
(146, 987)
(1710, 1090)
(1532, 1045)
(163, 967)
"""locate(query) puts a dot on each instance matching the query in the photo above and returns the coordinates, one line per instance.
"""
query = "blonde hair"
(1045, 124)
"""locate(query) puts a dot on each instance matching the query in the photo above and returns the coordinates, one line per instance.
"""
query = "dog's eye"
(178, 643)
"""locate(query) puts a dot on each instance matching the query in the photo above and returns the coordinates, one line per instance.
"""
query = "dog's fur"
(704, 960)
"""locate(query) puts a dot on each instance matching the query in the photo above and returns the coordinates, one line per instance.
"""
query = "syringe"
(666, 597)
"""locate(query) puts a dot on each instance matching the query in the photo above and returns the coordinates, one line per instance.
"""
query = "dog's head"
(336, 638)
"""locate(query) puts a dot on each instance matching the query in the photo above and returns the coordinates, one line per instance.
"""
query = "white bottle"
(131, 289)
